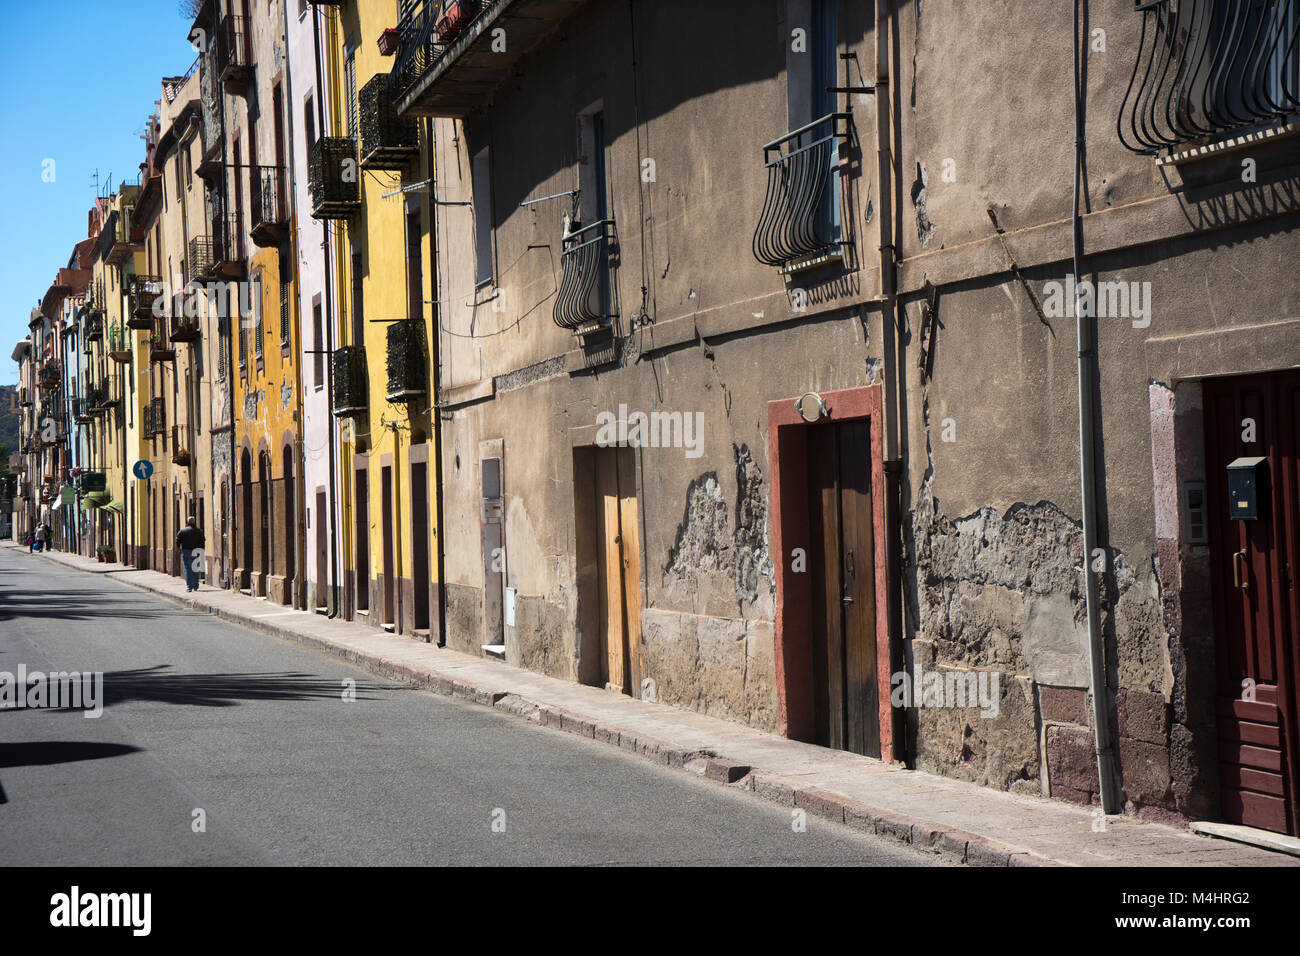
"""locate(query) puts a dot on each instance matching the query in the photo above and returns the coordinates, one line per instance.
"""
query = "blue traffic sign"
(142, 469)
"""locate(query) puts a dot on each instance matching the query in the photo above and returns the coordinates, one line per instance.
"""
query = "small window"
(318, 356)
(482, 185)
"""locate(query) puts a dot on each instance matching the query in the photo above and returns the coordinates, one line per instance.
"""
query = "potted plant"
(110, 556)
(389, 41)
(101, 553)
(456, 15)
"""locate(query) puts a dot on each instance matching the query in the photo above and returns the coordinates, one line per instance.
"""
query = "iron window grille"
(405, 359)
(799, 220)
(1208, 68)
(584, 298)
(349, 369)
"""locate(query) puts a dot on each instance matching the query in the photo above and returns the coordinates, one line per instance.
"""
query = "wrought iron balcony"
(92, 481)
(160, 348)
(180, 451)
(202, 264)
(155, 418)
(142, 292)
(268, 205)
(387, 142)
(228, 248)
(405, 360)
(797, 226)
(349, 380)
(184, 328)
(50, 375)
(116, 242)
(584, 299)
(447, 64)
(333, 178)
(93, 329)
(119, 344)
(83, 408)
(1208, 68)
(232, 55)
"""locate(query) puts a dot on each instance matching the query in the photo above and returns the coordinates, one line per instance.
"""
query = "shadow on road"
(58, 751)
(82, 604)
(155, 684)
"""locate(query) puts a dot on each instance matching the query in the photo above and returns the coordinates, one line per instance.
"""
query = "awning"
(115, 506)
(95, 499)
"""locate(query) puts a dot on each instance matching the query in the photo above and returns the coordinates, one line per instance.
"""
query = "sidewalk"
(962, 822)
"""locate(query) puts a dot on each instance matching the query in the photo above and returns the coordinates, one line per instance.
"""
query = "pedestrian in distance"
(42, 535)
(31, 542)
(190, 540)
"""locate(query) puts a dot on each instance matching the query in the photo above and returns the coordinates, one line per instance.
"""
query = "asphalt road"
(255, 732)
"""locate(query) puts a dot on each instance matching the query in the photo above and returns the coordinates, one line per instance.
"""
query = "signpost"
(142, 469)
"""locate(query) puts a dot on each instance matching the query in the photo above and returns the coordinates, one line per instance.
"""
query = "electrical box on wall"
(1246, 488)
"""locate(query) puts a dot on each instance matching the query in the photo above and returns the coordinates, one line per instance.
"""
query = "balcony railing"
(155, 418)
(94, 326)
(119, 344)
(349, 380)
(83, 408)
(231, 53)
(450, 58)
(92, 481)
(585, 291)
(333, 178)
(798, 221)
(386, 141)
(142, 292)
(180, 449)
(203, 265)
(160, 349)
(405, 360)
(1208, 68)
(50, 376)
(184, 328)
(118, 248)
(268, 204)
(228, 246)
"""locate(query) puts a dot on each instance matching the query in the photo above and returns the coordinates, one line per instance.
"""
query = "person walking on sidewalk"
(41, 537)
(31, 541)
(190, 540)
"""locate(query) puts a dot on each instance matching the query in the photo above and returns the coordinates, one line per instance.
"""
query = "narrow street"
(255, 732)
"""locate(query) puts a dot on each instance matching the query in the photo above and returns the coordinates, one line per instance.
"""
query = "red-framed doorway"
(788, 452)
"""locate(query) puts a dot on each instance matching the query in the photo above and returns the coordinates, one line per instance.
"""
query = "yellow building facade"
(367, 176)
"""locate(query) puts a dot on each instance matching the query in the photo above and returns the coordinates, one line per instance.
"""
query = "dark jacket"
(189, 538)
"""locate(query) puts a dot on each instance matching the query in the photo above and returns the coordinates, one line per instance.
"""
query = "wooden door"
(420, 544)
(1253, 592)
(322, 551)
(842, 561)
(618, 538)
(492, 518)
(386, 516)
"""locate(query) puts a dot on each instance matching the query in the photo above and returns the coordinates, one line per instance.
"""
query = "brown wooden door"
(841, 559)
(619, 537)
(386, 504)
(322, 552)
(420, 544)
(1253, 591)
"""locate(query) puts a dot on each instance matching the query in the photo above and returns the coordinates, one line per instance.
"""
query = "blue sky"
(77, 82)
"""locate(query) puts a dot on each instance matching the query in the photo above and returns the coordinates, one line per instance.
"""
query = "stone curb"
(953, 845)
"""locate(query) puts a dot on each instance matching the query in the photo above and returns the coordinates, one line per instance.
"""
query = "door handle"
(1238, 565)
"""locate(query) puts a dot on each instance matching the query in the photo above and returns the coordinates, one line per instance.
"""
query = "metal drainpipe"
(335, 589)
(895, 381)
(1087, 355)
(435, 356)
(299, 446)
